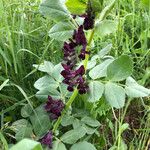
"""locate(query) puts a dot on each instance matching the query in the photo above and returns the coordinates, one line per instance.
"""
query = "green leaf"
(122, 145)
(97, 5)
(67, 120)
(120, 69)
(96, 90)
(89, 130)
(27, 144)
(133, 89)
(106, 27)
(64, 92)
(100, 70)
(105, 50)
(54, 9)
(17, 125)
(45, 67)
(25, 132)
(62, 31)
(77, 123)
(40, 121)
(23, 129)
(90, 121)
(72, 136)
(46, 82)
(56, 73)
(115, 95)
(83, 146)
(58, 145)
(26, 111)
(91, 64)
(76, 7)
(43, 94)
(124, 127)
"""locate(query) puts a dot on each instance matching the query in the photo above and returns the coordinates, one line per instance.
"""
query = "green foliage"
(23, 129)
(61, 31)
(96, 89)
(40, 121)
(105, 50)
(106, 27)
(82, 146)
(46, 82)
(90, 121)
(27, 144)
(54, 9)
(120, 69)
(115, 95)
(100, 70)
(74, 135)
(58, 145)
(26, 111)
(76, 7)
(133, 89)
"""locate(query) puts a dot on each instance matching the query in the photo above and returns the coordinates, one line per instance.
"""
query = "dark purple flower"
(89, 21)
(47, 139)
(83, 88)
(54, 107)
(80, 36)
(74, 77)
(80, 71)
(70, 88)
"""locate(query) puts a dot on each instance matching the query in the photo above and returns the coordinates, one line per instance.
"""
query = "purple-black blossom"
(89, 21)
(54, 107)
(47, 139)
(74, 77)
(89, 17)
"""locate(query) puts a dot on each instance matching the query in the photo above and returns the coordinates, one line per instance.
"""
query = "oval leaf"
(45, 67)
(115, 95)
(100, 70)
(45, 82)
(58, 145)
(76, 7)
(54, 9)
(61, 31)
(133, 89)
(27, 144)
(90, 121)
(83, 146)
(26, 111)
(106, 27)
(96, 90)
(120, 69)
(105, 50)
(72, 136)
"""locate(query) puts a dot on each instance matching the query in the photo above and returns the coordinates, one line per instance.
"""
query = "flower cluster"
(54, 107)
(89, 21)
(89, 18)
(75, 76)
(47, 139)
(72, 76)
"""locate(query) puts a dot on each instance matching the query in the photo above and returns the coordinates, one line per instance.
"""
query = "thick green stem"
(75, 93)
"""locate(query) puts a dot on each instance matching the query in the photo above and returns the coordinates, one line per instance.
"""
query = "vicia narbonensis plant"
(98, 79)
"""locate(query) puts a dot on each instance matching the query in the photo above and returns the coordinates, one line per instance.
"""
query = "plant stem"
(75, 93)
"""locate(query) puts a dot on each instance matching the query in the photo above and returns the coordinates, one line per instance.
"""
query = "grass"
(24, 41)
